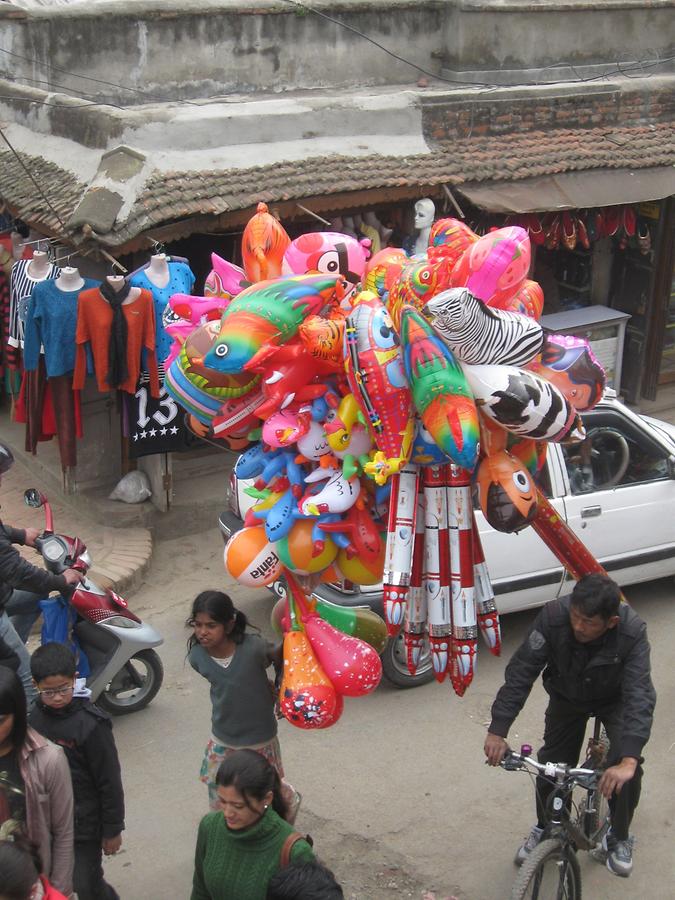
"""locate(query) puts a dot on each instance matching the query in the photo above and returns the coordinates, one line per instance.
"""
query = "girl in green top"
(239, 848)
(235, 661)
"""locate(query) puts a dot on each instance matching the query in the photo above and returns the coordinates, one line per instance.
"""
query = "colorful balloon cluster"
(371, 394)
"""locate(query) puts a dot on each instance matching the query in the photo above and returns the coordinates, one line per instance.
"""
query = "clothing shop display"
(21, 288)
(117, 333)
(51, 323)
(180, 281)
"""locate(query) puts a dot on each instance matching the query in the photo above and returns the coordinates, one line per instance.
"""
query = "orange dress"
(94, 321)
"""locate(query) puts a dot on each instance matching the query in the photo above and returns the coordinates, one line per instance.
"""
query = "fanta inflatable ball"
(251, 559)
(296, 549)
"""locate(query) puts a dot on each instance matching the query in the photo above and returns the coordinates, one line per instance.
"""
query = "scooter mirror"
(33, 497)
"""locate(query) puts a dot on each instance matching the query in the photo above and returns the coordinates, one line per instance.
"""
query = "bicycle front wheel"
(550, 872)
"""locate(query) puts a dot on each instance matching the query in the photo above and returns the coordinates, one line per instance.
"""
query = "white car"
(618, 495)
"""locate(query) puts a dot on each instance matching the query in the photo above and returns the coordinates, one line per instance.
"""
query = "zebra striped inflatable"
(480, 335)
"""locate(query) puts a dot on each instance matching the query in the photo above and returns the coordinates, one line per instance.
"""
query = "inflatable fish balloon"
(419, 281)
(440, 390)
(479, 335)
(529, 300)
(374, 365)
(506, 492)
(383, 269)
(523, 403)
(266, 315)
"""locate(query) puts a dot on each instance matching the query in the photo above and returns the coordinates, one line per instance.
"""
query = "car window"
(615, 453)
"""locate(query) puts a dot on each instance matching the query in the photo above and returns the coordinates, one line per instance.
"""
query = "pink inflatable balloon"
(329, 252)
(495, 266)
(352, 665)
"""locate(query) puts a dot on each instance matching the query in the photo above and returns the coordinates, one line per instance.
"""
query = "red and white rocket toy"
(400, 540)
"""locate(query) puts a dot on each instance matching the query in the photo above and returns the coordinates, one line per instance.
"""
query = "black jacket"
(85, 733)
(617, 671)
(16, 572)
(8, 657)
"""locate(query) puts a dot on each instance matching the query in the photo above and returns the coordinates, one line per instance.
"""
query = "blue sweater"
(51, 323)
(181, 281)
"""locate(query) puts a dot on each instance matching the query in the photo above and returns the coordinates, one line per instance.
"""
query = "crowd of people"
(61, 793)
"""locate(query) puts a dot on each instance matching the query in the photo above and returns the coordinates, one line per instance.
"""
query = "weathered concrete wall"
(138, 52)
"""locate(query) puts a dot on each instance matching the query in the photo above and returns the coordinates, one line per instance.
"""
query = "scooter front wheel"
(134, 686)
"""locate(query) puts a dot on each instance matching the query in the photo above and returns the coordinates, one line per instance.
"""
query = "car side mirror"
(33, 497)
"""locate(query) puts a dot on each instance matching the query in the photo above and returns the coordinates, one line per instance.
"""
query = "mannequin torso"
(117, 282)
(425, 211)
(39, 266)
(70, 279)
(157, 271)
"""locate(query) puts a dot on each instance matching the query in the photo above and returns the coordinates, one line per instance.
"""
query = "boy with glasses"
(85, 733)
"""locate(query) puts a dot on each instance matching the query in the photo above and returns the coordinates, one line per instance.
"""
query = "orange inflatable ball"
(251, 559)
(360, 571)
(300, 553)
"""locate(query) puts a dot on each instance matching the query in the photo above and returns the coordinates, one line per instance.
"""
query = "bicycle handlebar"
(514, 761)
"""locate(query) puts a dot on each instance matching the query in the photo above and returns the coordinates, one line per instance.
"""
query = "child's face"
(209, 633)
(56, 690)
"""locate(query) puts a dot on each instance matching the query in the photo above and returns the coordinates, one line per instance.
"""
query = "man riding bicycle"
(595, 655)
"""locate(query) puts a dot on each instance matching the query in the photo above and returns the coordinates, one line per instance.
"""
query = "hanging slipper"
(536, 230)
(592, 225)
(582, 233)
(552, 240)
(613, 220)
(629, 221)
(644, 238)
(568, 230)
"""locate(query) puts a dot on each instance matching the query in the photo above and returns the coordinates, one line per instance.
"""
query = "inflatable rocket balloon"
(374, 366)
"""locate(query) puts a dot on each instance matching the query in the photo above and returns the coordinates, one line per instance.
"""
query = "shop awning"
(572, 190)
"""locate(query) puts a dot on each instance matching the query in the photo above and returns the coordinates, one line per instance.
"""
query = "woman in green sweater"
(239, 849)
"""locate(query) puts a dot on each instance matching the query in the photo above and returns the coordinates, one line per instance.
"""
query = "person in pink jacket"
(36, 794)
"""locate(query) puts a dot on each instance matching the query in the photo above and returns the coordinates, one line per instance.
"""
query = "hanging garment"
(51, 322)
(50, 406)
(21, 287)
(7, 362)
(154, 425)
(181, 281)
(94, 327)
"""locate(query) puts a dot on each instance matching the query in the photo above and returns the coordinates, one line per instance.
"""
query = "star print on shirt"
(144, 434)
(152, 432)
(174, 430)
(163, 431)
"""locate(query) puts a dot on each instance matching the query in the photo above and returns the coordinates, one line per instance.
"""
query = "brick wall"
(445, 119)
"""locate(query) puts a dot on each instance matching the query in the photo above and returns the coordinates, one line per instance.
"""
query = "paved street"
(396, 795)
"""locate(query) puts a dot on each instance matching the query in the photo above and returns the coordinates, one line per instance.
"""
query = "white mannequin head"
(424, 213)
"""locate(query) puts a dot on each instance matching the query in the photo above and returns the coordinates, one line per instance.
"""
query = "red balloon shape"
(307, 698)
(351, 664)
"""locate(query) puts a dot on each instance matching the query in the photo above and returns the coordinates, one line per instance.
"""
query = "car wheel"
(395, 666)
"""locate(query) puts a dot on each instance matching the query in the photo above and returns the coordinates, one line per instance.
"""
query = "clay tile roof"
(168, 197)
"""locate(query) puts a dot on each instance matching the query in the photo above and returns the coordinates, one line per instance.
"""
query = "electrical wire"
(35, 182)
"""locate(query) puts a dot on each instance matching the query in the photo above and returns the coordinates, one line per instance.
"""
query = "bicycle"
(551, 871)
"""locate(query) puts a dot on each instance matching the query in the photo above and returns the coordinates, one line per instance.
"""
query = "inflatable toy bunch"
(372, 397)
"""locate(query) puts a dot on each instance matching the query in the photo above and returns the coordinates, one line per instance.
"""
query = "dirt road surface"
(396, 795)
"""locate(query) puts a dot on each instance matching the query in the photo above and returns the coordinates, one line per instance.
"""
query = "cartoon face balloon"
(569, 363)
(329, 253)
(225, 280)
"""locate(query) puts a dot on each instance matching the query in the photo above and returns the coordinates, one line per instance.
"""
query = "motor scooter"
(126, 673)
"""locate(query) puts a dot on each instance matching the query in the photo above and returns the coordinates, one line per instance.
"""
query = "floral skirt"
(215, 753)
